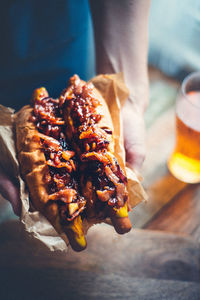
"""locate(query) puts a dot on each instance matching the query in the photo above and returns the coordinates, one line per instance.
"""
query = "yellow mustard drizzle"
(121, 212)
(76, 227)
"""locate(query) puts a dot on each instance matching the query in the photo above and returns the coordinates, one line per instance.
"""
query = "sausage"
(120, 219)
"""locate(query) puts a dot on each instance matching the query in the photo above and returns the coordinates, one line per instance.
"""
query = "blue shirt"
(43, 43)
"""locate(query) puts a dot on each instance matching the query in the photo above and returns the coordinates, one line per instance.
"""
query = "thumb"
(10, 192)
(134, 137)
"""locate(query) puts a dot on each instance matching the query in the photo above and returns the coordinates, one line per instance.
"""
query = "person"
(45, 43)
(36, 51)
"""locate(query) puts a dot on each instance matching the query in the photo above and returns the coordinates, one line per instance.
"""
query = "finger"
(134, 136)
(135, 155)
(135, 146)
(10, 192)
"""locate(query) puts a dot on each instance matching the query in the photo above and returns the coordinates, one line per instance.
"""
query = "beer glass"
(184, 162)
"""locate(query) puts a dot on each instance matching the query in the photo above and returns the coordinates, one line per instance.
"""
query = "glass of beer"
(184, 162)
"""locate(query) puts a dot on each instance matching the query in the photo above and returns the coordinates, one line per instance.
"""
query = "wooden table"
(173, 206)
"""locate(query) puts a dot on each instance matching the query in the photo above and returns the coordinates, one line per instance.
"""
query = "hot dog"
(65, 149)
(89, 128)
(48, 165)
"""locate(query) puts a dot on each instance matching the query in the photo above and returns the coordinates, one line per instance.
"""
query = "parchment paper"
(115, 93)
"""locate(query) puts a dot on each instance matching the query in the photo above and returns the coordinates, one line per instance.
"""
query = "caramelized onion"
(95, 156)
(68, 154)
(59, 165)
(66, 195)
(121, 194)
(50, 141)
(111, 175)
(105, 195)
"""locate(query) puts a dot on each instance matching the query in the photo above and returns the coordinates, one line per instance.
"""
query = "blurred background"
(174, 36)
(169, 249)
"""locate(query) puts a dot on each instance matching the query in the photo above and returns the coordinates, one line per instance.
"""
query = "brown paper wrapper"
(114, 91)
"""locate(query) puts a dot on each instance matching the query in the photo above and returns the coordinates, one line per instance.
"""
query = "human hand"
(10, 191)
(134, 134)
